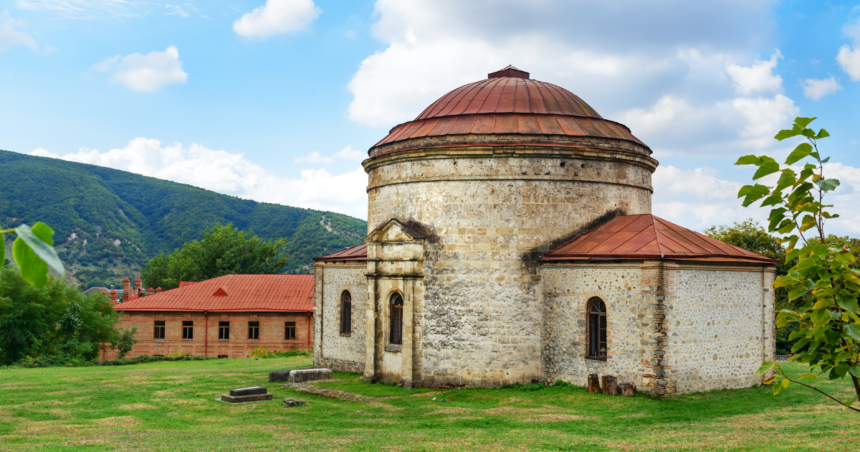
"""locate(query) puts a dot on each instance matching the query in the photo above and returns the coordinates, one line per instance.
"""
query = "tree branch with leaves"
(33, 251)
(828, 326)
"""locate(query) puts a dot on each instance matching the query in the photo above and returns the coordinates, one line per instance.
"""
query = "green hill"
(109, 223)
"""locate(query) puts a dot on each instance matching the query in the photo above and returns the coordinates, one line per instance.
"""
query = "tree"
(55, 322)
(822, 272)
(224, 250)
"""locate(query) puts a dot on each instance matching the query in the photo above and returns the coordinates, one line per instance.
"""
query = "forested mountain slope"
(109, 223)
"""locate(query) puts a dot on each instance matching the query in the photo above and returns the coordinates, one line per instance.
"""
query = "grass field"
(172, 406)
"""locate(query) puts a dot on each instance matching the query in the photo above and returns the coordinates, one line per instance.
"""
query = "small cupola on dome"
(509, 71)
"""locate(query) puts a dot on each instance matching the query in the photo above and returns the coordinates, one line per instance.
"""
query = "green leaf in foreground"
(34, 252)
(2, 249)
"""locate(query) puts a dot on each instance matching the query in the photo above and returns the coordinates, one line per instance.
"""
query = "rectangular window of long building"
(253, 330)
(187, 329)
(290, 331)
(223, 330)
(159, 329)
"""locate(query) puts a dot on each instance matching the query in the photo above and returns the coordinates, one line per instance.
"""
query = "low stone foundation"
(339, 365)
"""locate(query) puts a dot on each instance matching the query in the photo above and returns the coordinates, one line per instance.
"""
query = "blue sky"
(278, 100)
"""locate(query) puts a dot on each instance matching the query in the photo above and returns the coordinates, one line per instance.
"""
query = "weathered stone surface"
(302, 375)
(593, 383)
(293, 402)
(253, 390)
(245, 398)
(283, 375)
(610, 385)
(480, 309)
(627, 388)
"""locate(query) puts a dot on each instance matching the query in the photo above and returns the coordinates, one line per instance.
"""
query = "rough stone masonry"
(463, 203)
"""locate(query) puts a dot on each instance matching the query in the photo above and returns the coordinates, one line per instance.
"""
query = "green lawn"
(173, 406)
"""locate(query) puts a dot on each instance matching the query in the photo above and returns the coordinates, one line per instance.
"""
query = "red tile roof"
(241, 293)
(508, 102)
(650, 237)
(356, 253)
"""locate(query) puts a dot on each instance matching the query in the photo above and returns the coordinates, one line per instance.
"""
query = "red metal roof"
(650, 237)
(356, 253)
(508, 102)
(233, 293)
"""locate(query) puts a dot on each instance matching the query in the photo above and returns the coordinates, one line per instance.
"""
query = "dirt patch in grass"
(40, 427)
(137, 406)
(124, 421)
(450, 410)
(166, 393)
(558, 418)
(516, 410)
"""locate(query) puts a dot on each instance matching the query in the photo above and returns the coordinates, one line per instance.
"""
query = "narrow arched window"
(345, 313)
(597, 345)
(396, 334)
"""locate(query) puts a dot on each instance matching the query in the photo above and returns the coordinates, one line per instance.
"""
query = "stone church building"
(510, 239)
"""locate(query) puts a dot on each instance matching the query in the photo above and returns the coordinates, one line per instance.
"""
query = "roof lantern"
(509, 71)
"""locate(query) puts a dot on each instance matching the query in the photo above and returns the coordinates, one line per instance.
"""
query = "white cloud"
(277, 17)
(313, 157)
(679, 81)
(757, 78)
(233, 174)
(848, 56)
(816, 89)
(89, 9)
(145, 72)
(699, 198)
(347, 153)
(351, 153)
(10, 37)
(849, 59)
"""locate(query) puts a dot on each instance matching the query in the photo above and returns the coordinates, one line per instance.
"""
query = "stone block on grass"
(246, 398)
(253, 390)
(303, 375)
(284, 375)
(293, 402)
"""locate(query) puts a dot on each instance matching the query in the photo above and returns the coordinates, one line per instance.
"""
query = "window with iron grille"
(253, 330)
(290, 331)
(187, 329)
(597, 345)
(396, 333)
(345, 313)
(224, 330)
(159, 329)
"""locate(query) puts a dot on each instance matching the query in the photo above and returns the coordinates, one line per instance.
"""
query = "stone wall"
(567, 288)
(674, 328)
(487, 214)
(721, 325)
(341, 352)
(272, 333)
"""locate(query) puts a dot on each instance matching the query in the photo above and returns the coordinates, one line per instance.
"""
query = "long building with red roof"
(226, 317)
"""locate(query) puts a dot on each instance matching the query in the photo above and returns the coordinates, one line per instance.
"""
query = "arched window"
(597, 345)
(345, 312)
(396, 334)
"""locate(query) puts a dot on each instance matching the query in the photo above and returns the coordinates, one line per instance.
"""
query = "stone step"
(253, 390)
(302, 375)
(284, 375)
(245, 398)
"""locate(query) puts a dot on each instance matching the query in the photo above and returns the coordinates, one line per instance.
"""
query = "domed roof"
(508, 102)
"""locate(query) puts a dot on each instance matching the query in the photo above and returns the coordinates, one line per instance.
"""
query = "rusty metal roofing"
(650, 237)
(356, 253)
(233, 293)
(508, 102)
